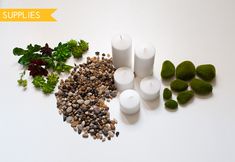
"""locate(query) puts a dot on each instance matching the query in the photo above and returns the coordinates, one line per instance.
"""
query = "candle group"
(144, 56)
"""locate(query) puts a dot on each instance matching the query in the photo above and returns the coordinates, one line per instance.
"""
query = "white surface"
(203, 131)
(150, 88)
(129, 102)
(144, 60)
(124, 78)
(122, 50)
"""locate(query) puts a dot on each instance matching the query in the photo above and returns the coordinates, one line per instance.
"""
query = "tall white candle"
(124, 78)
(122, 51)
(150, 88)
(129, 101)
(144, 60)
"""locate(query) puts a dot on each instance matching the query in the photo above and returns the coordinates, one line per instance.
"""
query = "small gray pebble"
(69, 109)
(87, 102)
(80, 101)
(69, 119)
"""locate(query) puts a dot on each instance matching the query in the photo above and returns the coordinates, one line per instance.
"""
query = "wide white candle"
(144, 60)
(150, 88)
(122, 51)
(129, 101)
(124, 78)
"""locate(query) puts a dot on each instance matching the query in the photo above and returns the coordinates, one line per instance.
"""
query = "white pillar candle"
(124, 78)
(150, 88)
(129, 101)
(122, 51)
(144, 60)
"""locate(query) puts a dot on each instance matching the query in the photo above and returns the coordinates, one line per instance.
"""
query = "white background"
(203, 31)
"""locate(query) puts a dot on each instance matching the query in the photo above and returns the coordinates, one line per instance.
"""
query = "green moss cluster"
(171, 104)
(185, 74)
(206, 72)
(167, 94)
(185, 71)
(178, 85)
(184, 97)
(168, 70)
(201, 87)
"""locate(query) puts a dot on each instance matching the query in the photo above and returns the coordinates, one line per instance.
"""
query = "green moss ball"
(184, 97)
(201, 87)
(206, 72)
(178, 85)
(167, 94)
(171, 104)
(185, 71)
(168, 70)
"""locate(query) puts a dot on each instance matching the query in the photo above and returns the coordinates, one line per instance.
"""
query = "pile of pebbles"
(81, 98)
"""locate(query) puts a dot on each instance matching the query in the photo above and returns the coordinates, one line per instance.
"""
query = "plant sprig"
(22, 82)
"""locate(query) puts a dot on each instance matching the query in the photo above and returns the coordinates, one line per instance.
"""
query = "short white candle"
(122, 51)
(150, 88)
(124, 78)
(129, 101)
(144, 60)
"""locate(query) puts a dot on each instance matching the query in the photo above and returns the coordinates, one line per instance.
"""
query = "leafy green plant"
(45, 63)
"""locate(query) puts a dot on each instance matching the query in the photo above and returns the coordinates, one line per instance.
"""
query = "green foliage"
(207, 72)
(178, 85)
(168, 70)
(38, 81)
(52, 79)
(184, 97)
(171, 104)
(83, 45)
(185, 71)
(22, 82)
(47, 88)
(62, 52)
(201, 87)
(18, 51)
(167, 94)
(27, 55)
(39, 60)
(78, 48)
(62, 67)
(46, 85)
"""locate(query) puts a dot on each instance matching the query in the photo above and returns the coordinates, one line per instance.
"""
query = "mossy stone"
(167, 94)
(168, 70)
(184, 97)
(171, 104)
(178, 85)
(185, 71)
(206, 72)
(201, 87)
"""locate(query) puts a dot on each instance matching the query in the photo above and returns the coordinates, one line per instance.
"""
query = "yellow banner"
(26, 15)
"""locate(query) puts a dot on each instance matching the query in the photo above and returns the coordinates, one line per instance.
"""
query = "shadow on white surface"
(171, 110)
(151, 105)
(204, 96)
(130, 119)
(167, 82)
(214, 82)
